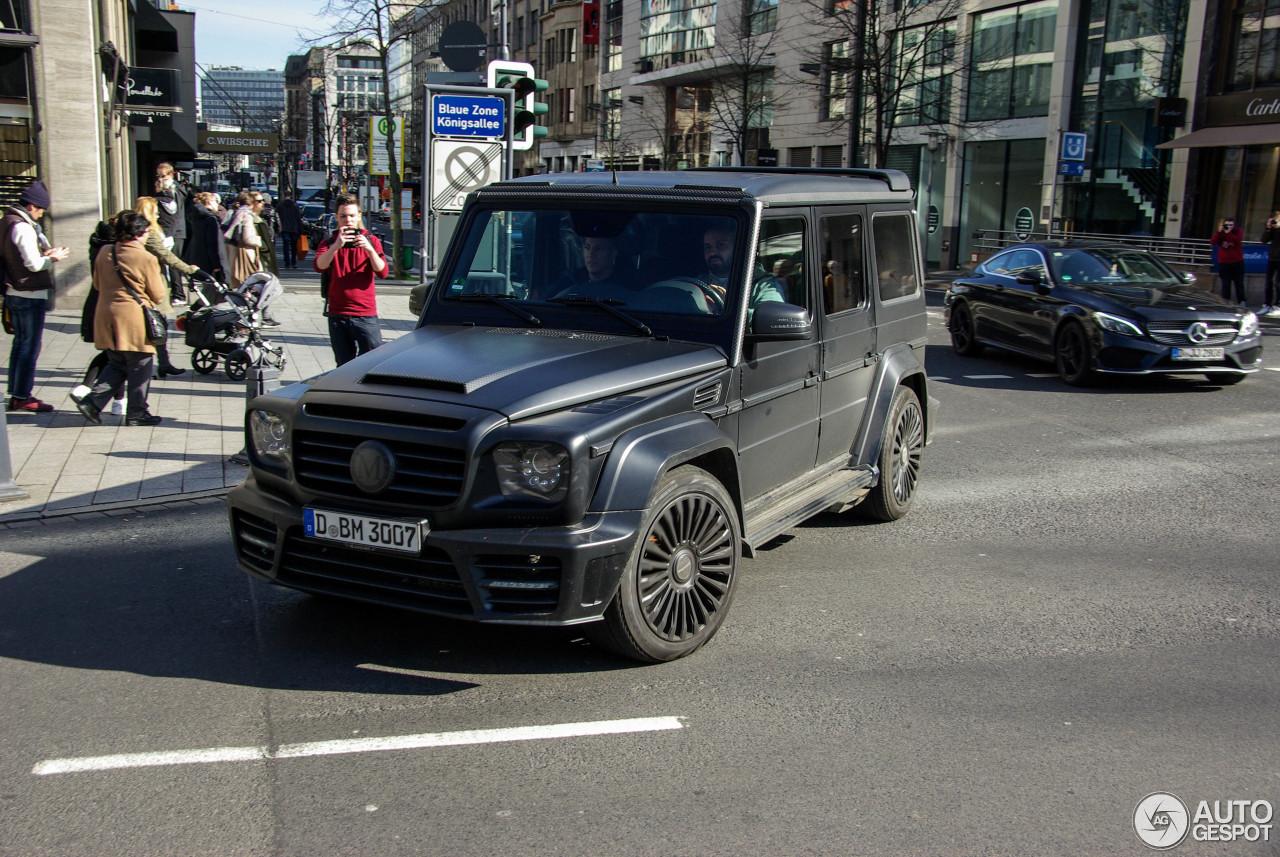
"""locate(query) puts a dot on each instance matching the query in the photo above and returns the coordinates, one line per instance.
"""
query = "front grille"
(1175, 332)
(425, 582)
(519, 583)
(255, 540)
(427, 476)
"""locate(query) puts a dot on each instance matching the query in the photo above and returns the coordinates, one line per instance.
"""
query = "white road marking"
(356, 745)
(939, 378)
(1042, 374)
(989, 377)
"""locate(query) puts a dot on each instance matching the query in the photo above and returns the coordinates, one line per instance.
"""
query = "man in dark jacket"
(1271, 236)
(203, 250)
(28, 281)
(290, 228)
(171, 214)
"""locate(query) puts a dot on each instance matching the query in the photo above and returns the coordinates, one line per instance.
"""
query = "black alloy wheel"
(682, 573)
(204, 361)
(1073, 356)
(901, 449)
(963, 337)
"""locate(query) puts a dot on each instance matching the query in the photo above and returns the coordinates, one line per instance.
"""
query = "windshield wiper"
(606, 304)
(500, 300)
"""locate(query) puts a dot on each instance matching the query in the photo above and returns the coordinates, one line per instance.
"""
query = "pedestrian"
(157, 246)
(1271, 294)
(172, 200)
(1229, 240)
(28, 280)
(352, 258)
(125, 275)
(104, 235)
(244, 243)
(268, 228)
(205, 247)
(290, 228)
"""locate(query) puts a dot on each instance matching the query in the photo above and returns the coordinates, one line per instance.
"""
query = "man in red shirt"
(352, 256)
(1229, 240)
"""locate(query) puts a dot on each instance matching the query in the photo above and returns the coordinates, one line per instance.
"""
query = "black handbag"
(156, 324)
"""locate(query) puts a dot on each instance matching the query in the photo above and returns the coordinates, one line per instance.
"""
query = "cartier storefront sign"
(1259, 107)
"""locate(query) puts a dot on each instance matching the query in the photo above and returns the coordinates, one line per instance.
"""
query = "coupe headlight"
(270, 434)
(1248, 324)
(532, 471)
(1116, 324)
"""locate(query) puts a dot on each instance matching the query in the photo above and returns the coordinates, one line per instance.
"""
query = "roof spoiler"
(895, 179)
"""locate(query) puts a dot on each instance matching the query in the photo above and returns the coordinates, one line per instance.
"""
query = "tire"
(1073, 355)
(964, 338)
(680, 578)
(901, 449)
(237, 365)
(204, 361)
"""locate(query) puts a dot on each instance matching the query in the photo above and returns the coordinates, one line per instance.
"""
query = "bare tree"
(891, 63)
(369, 23)
(742, 92)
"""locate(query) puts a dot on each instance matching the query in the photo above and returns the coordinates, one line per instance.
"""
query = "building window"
(1255, 45)
(763, 16)
(924, 62)
(612, 104)
(800, 156)
(830, 156)
(835, 84)
(667, 27)
(1012, 61)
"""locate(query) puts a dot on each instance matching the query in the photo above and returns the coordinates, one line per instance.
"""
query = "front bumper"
(1116, 354)
(530, 576)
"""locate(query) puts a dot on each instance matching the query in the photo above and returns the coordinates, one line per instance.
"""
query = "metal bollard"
(259, 380)
(9, 489)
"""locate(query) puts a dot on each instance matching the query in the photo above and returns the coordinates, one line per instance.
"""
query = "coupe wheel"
(204, 361)
(681, 575)
(963, 338)
(901, 448)
(1073, 355)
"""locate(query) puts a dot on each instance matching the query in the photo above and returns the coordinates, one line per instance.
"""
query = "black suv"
(619, 384)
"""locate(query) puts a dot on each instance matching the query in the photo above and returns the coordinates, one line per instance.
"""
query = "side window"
(781, 254)
(895, 256)
(1021, 262)
(843, 268)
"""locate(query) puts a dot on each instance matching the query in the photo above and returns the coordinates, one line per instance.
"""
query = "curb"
(21, 520)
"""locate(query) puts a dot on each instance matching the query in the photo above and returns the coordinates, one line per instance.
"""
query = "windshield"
(638, 261)
(1111, 267)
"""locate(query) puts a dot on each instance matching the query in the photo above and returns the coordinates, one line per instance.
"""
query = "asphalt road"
(1080, 610)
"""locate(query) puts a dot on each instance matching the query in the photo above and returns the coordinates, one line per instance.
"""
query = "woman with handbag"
(126, 324)
(244, 243)
(159, 245)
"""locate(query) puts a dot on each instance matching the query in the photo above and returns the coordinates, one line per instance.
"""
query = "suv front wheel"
(681, 575)
(901, 448)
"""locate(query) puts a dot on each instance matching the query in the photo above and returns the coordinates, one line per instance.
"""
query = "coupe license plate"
(1202, 353)
(363, 531)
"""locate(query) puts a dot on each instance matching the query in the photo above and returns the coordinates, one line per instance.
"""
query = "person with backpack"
(28, 280)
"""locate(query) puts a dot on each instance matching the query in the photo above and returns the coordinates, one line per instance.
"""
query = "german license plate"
(1201, 353)
(364, 531)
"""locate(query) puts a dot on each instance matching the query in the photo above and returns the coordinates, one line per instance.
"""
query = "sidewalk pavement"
(70, 467)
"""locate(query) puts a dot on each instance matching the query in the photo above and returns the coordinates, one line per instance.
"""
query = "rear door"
(847, 322)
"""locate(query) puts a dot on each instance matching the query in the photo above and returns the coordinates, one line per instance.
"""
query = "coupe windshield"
(1106, 266)
(634, 261)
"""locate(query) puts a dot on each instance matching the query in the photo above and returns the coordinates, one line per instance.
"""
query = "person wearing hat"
(28, 282)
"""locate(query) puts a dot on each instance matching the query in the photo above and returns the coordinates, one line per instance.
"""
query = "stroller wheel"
(237, 365)
(204, 361)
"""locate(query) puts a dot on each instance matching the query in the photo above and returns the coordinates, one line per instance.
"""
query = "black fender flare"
(898, 365)
(640, 456)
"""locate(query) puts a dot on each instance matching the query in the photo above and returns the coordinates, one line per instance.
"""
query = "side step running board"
(774, 514)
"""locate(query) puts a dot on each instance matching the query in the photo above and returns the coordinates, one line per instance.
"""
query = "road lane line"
(356, 745)
(989, 377)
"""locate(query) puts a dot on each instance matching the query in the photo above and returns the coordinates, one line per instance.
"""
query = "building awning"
(152, 31)
(1228, 135)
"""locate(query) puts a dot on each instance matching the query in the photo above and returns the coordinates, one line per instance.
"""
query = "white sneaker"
(117, 407)
(1275, 312)
(1265, 309)
(80, 391)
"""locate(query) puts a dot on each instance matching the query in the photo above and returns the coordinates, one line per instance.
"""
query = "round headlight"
(270, 435)
(1248, 324)
(537, 471)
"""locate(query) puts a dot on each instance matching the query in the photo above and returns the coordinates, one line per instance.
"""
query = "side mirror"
(773, 321)
(1189, 277)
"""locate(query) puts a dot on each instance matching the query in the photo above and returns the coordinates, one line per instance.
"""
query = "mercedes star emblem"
(1198, 332)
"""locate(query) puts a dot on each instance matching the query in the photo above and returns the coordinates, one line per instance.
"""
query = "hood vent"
(608, 406)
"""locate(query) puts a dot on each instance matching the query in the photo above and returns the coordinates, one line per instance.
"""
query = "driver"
(717, 252)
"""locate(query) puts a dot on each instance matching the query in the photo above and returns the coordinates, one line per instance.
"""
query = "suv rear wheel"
(681, 575)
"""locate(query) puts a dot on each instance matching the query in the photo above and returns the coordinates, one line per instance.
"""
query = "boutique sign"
(237, 141)
(151, 89)
(1259, 107)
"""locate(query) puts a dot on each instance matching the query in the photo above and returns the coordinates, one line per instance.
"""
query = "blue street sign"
(1073, 144)
(1070, 168)
(468, 116)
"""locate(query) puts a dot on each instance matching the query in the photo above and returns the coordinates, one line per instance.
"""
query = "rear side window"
(895, 256)
(842, 263)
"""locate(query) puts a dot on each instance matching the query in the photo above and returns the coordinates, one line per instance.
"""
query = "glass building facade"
(242, 98)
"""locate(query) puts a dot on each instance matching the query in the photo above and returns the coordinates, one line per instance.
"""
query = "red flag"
(591, 22)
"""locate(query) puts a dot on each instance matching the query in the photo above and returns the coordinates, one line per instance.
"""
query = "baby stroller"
(230, 328)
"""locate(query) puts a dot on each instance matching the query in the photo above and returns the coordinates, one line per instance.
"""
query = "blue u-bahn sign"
(468, 116)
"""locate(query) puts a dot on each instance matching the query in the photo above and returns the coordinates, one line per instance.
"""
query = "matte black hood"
(518, 372)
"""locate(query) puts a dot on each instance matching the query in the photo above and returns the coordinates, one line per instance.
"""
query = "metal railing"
(1182, 253)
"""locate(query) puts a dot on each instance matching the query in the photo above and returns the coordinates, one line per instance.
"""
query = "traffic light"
(518, 77)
